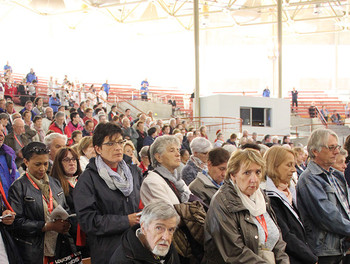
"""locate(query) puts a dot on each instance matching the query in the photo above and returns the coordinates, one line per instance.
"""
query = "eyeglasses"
(332, 148)
(67, 160)
(115, 143)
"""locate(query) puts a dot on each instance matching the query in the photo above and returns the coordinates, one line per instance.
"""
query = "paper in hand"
(59, 213)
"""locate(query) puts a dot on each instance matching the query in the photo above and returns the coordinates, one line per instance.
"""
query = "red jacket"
(93, 119)
(55, 128)
(9, 89)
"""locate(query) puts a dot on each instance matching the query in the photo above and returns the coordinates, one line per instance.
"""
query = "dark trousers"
(330, 259)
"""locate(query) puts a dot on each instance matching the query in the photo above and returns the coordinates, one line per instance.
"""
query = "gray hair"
(144, 151)
(4, 116)
(319, 139)
(200, 145)
(179, 136)
(101, 115)
(47, 108)
(189, 134)
(343, 152)
(160, 145)
(59, 114)
(158, 211)
(49, 138)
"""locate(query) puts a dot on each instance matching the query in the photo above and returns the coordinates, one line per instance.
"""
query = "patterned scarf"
(200, 164)
(50, 236)
(176, 179)
(121, 180)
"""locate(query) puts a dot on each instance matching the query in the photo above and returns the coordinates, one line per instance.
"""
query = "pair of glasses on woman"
(67, 160)
(114, 143)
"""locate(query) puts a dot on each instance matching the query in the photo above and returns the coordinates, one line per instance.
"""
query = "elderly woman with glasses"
(106, 197)
(164, 183)
(198, 160)
(33, 197)
(280, 167)
(240, 225)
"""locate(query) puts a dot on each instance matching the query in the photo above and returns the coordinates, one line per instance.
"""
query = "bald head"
(18, 126)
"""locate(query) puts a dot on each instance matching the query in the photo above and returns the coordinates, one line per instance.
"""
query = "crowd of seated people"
(125, 182)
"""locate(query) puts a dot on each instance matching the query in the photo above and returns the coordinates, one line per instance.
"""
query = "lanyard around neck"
(20, 144)
(261, 220)
(50, 202)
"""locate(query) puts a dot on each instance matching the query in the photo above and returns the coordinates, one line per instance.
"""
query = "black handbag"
(66, 251)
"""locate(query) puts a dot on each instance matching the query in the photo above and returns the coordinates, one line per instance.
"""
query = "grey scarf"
(121, 180)
(175, 178)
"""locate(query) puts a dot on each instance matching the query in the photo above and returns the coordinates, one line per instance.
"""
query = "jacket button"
(256, 237)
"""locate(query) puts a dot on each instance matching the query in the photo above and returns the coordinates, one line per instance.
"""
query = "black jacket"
(292, 229)
(103, 213)
(86, 133)
(140, 140)
(131, 251)
(13, 255)
(27, 202)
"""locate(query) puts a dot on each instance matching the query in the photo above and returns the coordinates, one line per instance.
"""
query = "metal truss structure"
(299, 16)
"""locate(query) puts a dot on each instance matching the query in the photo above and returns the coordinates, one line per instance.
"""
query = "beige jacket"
(155, 188)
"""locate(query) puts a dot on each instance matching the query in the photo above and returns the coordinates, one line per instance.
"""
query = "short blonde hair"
(129, 143)
(298, 150)
(243, 159)
(83, 144)
(274, 158)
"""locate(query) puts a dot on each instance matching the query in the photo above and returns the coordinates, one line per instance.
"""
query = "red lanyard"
(71, 184)
(261, 220)
(50, 202)
(21, 145)
(8, 206)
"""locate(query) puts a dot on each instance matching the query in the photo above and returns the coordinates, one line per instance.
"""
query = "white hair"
(200, 145)
(319, 139)
(160, 145)
(158, 211)
(49, 138)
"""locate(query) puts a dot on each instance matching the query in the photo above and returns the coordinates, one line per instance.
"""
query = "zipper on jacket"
(23, 241)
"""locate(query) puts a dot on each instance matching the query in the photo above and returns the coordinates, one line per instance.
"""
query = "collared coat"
(203, 188)
(231, 236)
(189, 172)
(292, 228)
(326, 222)
(131, 251)
(11, 142)
(27, 202)
(103, 213)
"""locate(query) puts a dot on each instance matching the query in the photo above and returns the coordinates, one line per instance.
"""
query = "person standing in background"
(294, 100)
(266, 92)
(106, 87)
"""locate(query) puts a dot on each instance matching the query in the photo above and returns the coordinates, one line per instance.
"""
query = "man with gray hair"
(150, 243)
(54, 142)
(59, 124)
(17, 139)
(323, 199)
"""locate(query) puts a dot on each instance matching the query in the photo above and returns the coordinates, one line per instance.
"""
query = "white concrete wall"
(229, 106)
